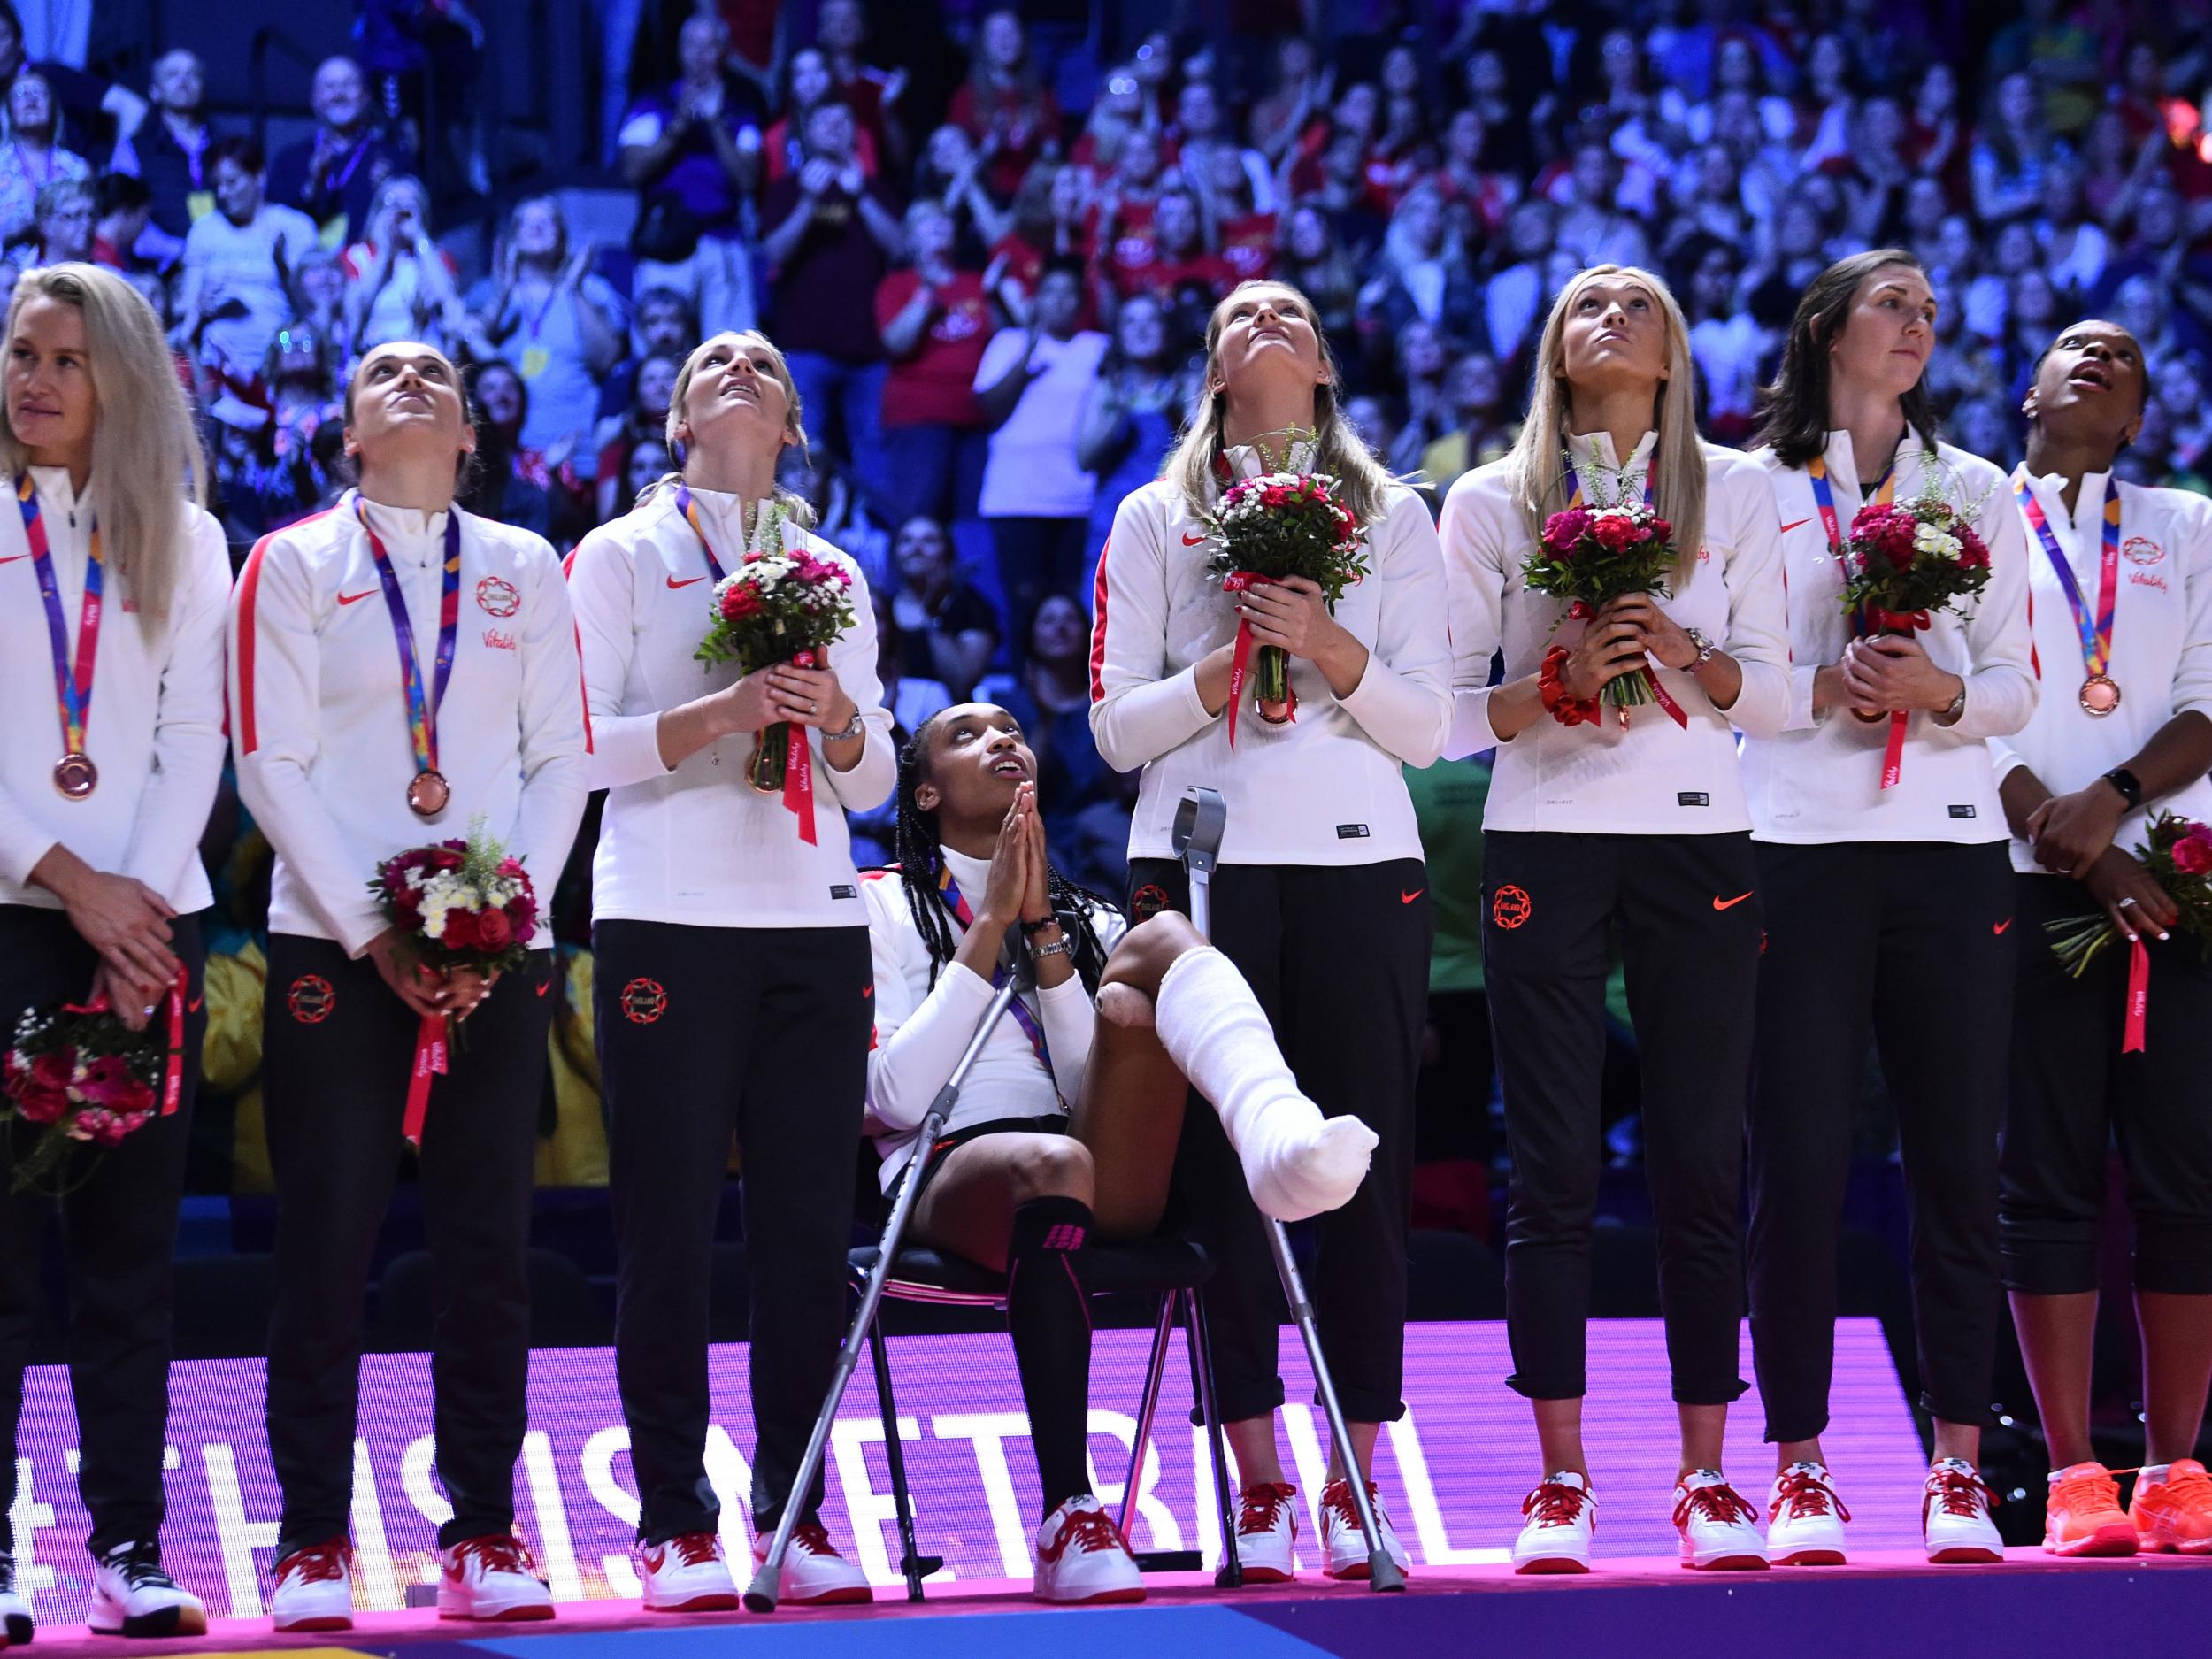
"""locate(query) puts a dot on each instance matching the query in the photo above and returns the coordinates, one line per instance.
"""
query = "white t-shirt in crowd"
(1032, 472)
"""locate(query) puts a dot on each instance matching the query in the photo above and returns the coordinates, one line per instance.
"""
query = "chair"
(1174, 1270)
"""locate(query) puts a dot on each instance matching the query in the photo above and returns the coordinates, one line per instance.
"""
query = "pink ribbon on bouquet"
(1581, 611)
(1239, 663)
(1875, 623)
(798, 768)
(430, 1061)
(172, 1070)
(2139, 997)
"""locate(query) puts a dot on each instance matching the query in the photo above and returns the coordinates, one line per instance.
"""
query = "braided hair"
(921, 864)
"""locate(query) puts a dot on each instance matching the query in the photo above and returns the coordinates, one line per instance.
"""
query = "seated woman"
(1069, 1118)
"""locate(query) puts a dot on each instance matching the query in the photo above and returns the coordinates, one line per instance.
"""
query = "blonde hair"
(146, 459)
(795, 506)
(1537, 475)
(1339, 450)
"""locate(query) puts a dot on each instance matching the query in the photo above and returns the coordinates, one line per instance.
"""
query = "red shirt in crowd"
(1247, 246)
(935, 384)
(1025, 123)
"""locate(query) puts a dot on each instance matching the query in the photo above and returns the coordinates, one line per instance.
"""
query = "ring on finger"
(2123, 904)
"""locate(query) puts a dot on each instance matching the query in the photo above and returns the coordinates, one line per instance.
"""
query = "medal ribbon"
(422, 714)
(948, 890)
(72, 682)
(798, 765)
(1874, 620)
(1581, 610)
(2096, 632)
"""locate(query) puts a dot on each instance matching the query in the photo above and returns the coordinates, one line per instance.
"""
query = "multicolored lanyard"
(72, 681)
(690, 511)
(948, 890)
(2096, 632)
(422, 713)
(1823, 498)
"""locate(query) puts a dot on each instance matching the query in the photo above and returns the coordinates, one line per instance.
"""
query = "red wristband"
(1566, 709)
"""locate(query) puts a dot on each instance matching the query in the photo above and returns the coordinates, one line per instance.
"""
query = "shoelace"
(1262, 1503)
(1555, 1504)
(2191, 1491)
(812, 1537)
(693, 1550)
(2090, 1491)
(318, 1563)
(499, 1553)
(1718, 1502)
(1958, 1493)
(1086, 1531)
(139, 1567)
(1807, 1494)
(1336, 1499)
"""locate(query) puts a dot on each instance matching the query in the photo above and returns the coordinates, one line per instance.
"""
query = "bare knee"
(1052, 1166)
(1145, 953)
(1125, 1007)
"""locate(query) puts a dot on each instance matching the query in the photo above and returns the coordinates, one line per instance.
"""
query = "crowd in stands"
(990, 288)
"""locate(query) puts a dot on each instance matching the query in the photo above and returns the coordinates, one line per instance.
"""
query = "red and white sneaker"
(1267, 1527)
(814, 1574)
(314, 1588)
(1561, 1514)
(133, 1597)
(687, 1574)
(15, 1610)
(1805, 1518)
(1082, 1558)
(492, 1579)
(1954, 1515)
(1720, 1532)
(1343, 1544)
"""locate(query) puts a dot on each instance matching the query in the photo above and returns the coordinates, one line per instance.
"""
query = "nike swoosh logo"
(355, 599)
(1192, 541)
(1408, 898)
(1719, 903)
(2001, 926)
(1793, 525)
(674, 584)
(193, 1006)
(542, 989)
(867, 991)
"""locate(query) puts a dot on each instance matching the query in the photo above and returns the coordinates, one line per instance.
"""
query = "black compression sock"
(1049, 1313)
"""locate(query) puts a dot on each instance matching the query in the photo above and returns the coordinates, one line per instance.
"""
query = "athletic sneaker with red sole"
(2082, 1516)
(1082, 1559)
(313, 1588)
(687, 1574)
(1267, 1529)
(491, 1579)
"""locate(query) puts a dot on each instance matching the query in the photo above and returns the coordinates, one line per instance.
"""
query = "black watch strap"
(2128, 785)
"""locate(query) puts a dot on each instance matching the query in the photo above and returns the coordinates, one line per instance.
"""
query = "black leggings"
(1913, 943)
(118, 1231)
(2073, 1091)
(705, 1033)
(1339, 957)
(1687, 920)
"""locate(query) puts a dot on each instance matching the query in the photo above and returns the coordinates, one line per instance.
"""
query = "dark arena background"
(1430, 174)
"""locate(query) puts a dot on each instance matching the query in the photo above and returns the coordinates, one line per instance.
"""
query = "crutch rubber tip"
(760, 1595)
(1382, 1572)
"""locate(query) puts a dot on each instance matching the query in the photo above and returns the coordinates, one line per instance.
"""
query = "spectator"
(643, 425)
(1423, 275)
(1243, 233)
(875, 95)
(121, 210)
(664, 325)
(331, 174)
(948, 631)
(693, 154)
(562, 324)
(1730, 347)
(1317, 264)
(1181, 257)
(1050, 696)
(1123, 236)
(1135, 410)
(1935, 138)
(808, 83)
(1121, 108)
(649, 462)
(1004, 103)
(1283, 115)
(33, 158)
(508, 481)
(1592, 225)
(1519, 291)
(290, 474)
(90, 105)
(1036, 494)
(1420, 357)
(238, 262)
(170, 152)
(951, 174)
(1484, 426)
(2014, 149)
(934, 318)
(912, 699)
(61, 227)
(321, 286)
(2073, 250)
(401, 283)
(832, 234)
(1476, 198)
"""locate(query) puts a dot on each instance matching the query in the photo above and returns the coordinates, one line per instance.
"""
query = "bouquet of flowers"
(81, 1075)
(2180, 860)
(1589, 555)
(457, 904)
(1275, 526)
(779, 605)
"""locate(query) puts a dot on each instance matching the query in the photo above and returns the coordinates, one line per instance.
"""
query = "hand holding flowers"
(2166, 887)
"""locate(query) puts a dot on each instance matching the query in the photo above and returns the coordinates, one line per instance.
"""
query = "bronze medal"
(427, 793)
(75, 776)
(2100, 695)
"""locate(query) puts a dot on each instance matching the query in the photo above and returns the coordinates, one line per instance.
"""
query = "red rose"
(460, 930)
(1613, 533)
(2192, 856)
(38, 1105)
(738, 602)
(54, 1069)
(494, 932)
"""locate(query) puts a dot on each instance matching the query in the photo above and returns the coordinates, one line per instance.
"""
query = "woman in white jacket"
(1604, 822)
(733, 959)
(1888, 899)
(1068, 1122)
(1321, 864)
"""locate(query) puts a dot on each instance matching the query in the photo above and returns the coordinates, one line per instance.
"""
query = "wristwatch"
(1956, 707)
(1055, 948)
(1706, 649)
(852, 728)
(2128, 784)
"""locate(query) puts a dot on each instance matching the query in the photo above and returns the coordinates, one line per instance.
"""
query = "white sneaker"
(1720, 1532)
(492, 1578)
(15, 1611)
(314, 1588)
(1954, 1515)
(1563, 1513)
(1805, 1518)
(814, 1574)
(133, 1597)
(1267, 1527)
(1083, 1558)
(687, 1574)
(1345, 1545)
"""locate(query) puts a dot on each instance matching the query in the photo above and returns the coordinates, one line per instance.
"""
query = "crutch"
(761, 1595)
(1200, 819)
